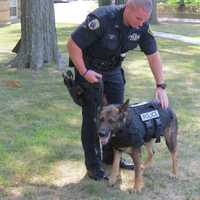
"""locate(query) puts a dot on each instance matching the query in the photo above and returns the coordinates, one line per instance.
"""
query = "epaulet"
(106, 12)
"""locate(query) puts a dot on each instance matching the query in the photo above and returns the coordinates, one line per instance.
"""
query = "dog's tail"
(171, 136)
(174, 121)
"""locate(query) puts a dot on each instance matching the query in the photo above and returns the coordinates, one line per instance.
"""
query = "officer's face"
(136, 16)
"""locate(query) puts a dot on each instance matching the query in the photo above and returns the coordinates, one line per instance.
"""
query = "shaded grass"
(41, 155)
(31, 120)
(63, 33)
(187, 29)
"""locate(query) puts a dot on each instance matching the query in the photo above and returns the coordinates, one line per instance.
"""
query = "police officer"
(97, 48)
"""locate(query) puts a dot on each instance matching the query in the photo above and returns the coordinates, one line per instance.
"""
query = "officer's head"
(137, 12)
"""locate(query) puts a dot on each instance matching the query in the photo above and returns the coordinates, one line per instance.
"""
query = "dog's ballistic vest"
(144, 122)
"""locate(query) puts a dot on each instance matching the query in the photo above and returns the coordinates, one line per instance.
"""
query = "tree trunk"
(38, 35)
(154, 17)
(181, 5)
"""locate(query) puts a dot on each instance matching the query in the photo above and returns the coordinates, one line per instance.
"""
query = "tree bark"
(154, 17)
(38, 35)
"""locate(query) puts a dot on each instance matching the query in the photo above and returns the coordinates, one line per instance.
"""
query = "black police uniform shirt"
(103, 34)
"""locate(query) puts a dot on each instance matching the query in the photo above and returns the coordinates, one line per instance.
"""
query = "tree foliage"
(104, 2)
(154, 17)
(179, 2)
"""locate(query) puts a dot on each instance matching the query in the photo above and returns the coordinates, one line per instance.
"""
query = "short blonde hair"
(147, 5)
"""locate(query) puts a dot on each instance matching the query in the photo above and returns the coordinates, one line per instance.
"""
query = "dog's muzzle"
(104, 135)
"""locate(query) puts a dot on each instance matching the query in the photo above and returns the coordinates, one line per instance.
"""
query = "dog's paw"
(136, 190)
(173, 176)
(138, 187)
(112, 181)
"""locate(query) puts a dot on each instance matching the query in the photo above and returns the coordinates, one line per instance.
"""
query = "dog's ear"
(104, 101)
(124, 106)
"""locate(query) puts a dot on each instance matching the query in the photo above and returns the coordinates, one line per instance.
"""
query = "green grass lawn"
(41, 154)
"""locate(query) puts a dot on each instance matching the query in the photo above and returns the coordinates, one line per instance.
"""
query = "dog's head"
(110, 120)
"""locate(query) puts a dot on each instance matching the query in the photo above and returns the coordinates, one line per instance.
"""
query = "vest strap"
(158, 129)
(149, 127)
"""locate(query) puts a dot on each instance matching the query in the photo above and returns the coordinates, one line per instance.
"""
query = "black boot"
(97, 174)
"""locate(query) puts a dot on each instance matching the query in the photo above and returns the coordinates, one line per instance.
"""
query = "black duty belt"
(103, 65)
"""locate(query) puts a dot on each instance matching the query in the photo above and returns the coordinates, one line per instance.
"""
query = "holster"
(74, 89)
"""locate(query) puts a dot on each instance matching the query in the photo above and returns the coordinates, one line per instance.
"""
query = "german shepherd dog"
(112, 117)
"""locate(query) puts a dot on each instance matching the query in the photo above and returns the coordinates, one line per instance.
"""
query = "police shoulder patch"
(93, 24)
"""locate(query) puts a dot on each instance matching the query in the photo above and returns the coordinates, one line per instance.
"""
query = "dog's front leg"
(150, 154)
(115, 167)
(138, 182)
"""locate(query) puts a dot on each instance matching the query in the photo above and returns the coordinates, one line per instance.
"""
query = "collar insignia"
(111, 36)
(150, 32)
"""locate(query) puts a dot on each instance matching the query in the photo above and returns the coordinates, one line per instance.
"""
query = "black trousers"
(114, 91)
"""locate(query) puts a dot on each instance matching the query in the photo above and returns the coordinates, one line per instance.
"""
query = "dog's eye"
(102, 119)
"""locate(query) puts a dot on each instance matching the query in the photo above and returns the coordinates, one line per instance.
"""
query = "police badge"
(134, 37)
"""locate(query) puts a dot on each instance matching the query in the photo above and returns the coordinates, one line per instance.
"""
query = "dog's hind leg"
(115, 168)
(138, 182)
(171, 142)
(150, 154)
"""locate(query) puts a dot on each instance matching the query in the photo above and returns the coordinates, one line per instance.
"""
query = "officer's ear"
(124, 106)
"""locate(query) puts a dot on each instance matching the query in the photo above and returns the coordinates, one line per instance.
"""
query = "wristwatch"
(161, 85)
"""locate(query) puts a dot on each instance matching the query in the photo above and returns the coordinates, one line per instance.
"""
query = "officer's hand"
(161, 96)
(92, 76)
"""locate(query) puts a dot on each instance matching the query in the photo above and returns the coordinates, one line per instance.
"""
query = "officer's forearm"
(156, 67)
(76, 56)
